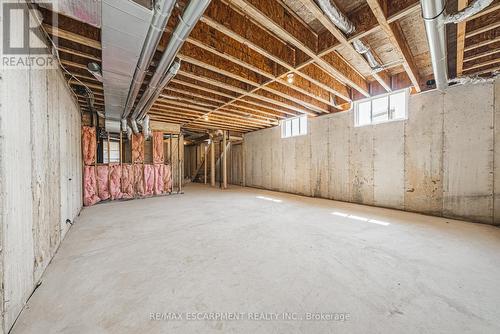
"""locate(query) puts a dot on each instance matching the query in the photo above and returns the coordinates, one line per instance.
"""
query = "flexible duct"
(162, 11)
(347, 27)
(145, 127)
(361, 48)
(474, 79)
(190, 17)
(124, 124)
(336, 16)
(433, 14)
(471, 10)
(129, 132)
(172, 71)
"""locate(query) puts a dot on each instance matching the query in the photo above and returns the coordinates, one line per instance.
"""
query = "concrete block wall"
(443, 160)
(40, 178)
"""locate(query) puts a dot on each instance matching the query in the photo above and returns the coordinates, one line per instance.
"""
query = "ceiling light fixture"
(290, 77)
(95, 69)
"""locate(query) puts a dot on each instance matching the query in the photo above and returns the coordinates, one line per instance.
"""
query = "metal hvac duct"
(190, 17)
(124, 28)
(347, 27)
(336, 16)
(433, 14)
(162, 11)
(471, 10)
(172, 72)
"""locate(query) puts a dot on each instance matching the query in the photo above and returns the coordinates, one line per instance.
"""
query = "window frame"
(390, 116)
(105, 147)
(288, 122)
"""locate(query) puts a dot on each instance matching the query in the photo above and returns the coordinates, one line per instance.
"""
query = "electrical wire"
(55, 52)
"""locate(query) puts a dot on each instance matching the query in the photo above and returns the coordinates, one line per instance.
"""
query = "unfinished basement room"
(250, 166)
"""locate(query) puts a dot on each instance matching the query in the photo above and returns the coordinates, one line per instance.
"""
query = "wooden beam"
(197, 56)
(225, 47)
(477, 64)
(481, 43)
(73, 64)
(397, 39)
(180, 115)
(382, 78)
(482, 29)
(397, 15)
(240, 28)
(482, 54)
(70, 36)
(461, 39)
(271, 17)
(177, 100)
(486, 69)
(203, 78)
(78, 53)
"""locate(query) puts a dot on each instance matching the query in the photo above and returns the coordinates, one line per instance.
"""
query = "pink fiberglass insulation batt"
(88, 144)
(115, 175)
(159, 179)
(139, 180)
(127, 181)
(137, 148)
(158, 155)
(149, 179)
(167, 179)
(102, 182)
(89, 186)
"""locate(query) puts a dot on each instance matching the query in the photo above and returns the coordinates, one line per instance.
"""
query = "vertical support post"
(205, 162)
(121, 149)
(109, 153)
(212, 162)
(170, 152)
(224, 160)
(109, 165)
(243, 163)
(180, 141)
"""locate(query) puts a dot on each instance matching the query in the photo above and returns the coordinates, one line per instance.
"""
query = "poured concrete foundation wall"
(443, 160)
(40, 178)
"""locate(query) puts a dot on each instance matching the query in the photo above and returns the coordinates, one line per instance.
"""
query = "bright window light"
(296, 126)
(114, 151)
(360, 218)
(381, 109)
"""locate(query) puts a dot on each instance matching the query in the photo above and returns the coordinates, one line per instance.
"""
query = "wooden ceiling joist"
(208, 108)
(270, 14)
(239, 73)
(240, 54)
(275, 105)
(396, 37)
(70, 36)
(381, 77)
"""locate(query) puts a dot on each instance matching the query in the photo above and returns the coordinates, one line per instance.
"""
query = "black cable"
(435, 17)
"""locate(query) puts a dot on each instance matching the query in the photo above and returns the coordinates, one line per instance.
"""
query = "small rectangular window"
(381, 109)
(397, 106)
(292, 127)
(114, 151)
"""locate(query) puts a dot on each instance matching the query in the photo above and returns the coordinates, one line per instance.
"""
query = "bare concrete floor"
(252, 251)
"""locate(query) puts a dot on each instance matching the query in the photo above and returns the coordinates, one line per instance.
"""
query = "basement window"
(382, 109)
(292, 127)
(114, 151)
